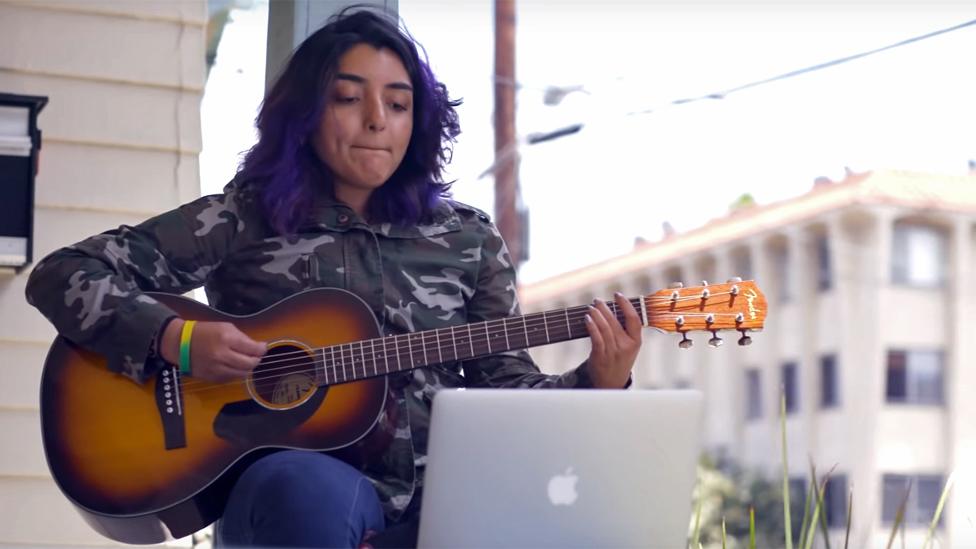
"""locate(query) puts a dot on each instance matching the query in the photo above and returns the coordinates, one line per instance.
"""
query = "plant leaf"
(850, 508)
(899, 515)
(752, 527)
(786, 471)
(929, 538)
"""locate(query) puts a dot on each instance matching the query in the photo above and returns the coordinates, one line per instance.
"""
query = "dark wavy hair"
(283, 169)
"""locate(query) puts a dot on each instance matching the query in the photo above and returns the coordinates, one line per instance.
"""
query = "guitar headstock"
(735, 305)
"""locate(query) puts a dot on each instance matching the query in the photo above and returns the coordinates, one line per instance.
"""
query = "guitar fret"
(325, 366)
(454, 343)
(569, 329)
(508, 346)
(410, 352)
(339, 364)
(396, 348)
(335, 365)
(335, 373)
(349, 365)
(471, 339)
(423, 347)
(545, 324)
(347, 362)
(362, 357)
(440, 351)
(372, 350)
(488, 336)
(525, 328)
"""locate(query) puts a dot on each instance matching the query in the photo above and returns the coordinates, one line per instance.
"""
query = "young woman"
(343, 189)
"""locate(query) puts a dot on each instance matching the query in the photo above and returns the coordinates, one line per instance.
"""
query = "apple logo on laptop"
(562, 488)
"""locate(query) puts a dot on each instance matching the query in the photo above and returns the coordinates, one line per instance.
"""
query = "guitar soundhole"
(285, 377)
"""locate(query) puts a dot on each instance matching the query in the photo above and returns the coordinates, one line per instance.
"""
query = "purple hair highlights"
(283, 169)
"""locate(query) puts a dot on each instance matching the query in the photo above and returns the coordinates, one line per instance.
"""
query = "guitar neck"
(734, 305)
(380, 356)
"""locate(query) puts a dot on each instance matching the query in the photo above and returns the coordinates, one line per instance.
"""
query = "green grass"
(814, 517)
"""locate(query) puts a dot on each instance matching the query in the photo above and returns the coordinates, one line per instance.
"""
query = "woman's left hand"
(614, 346)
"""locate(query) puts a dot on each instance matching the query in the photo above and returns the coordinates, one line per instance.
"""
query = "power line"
(812, 68)
(539, 137)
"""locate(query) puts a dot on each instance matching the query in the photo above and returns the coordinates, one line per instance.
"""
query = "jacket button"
(343, 219)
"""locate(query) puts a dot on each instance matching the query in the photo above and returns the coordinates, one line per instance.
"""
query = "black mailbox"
(20, 144)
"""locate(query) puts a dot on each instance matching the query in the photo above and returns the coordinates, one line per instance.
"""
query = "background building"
(869, 334)
(121, 142)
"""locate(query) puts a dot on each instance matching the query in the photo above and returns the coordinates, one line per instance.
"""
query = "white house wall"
(121, 137)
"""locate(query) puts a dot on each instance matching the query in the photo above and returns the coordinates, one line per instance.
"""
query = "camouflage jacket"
(454, 271)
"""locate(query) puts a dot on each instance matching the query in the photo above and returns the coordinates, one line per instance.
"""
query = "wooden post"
(506, 154)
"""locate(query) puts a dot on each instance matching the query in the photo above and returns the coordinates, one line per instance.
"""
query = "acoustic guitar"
(143, 463)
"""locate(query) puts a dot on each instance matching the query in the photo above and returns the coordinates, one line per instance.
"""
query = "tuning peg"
(704, 283)
(676, 285)
(685, 343)
(734, 280)
(744, 340)
(715, 341)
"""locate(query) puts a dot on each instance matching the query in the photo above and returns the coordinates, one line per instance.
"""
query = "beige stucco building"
(121, 143)
(869, 330)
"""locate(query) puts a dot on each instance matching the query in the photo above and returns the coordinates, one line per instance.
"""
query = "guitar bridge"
(169, 403)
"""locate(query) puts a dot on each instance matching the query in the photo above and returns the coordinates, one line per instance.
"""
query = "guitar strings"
(357, 372)
(359, 369)
(390, 348)
(530, 321)
(339, 366)
(358, 363)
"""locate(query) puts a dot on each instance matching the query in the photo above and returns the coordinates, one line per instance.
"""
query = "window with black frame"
(829, 382)
(919, 255)
(835, 501)
(824, 274)
(919, 492)
(915, 376)
(753, 394)
(791, 389)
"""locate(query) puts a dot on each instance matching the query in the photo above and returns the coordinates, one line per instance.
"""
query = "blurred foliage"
(726, 491)
(744, 201)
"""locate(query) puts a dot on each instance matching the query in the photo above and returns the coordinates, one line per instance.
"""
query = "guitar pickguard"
(248, 424)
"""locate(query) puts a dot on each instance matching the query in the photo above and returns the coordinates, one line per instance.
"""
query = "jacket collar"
(332, 215)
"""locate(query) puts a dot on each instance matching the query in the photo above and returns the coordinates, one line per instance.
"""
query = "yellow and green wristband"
(185, 336)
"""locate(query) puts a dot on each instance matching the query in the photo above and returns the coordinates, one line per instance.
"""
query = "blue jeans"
(299, 499)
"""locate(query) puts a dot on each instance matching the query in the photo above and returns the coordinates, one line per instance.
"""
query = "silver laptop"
(560, 468)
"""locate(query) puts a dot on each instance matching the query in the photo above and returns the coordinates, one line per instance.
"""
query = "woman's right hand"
(219, 351)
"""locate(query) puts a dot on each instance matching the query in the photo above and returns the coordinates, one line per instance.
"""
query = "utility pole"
(507, 216)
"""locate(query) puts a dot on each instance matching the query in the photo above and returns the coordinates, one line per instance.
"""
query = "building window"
(798, 491)
(824, 281)
(919, 255)
(923, 492)
(835, 501)
(915, 377)
(829, 391)
(753, 394)
(742, 264)
(791, 388)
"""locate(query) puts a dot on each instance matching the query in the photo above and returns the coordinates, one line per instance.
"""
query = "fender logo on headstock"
(751, 296)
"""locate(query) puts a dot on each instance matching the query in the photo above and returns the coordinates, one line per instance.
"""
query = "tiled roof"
(901, 188)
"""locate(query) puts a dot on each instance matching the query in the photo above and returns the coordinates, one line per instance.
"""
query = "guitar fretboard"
(385, 355)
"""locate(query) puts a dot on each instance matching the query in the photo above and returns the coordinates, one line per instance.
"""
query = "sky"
(640, 159)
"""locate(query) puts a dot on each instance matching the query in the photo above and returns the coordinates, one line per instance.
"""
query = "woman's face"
(367, 121)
